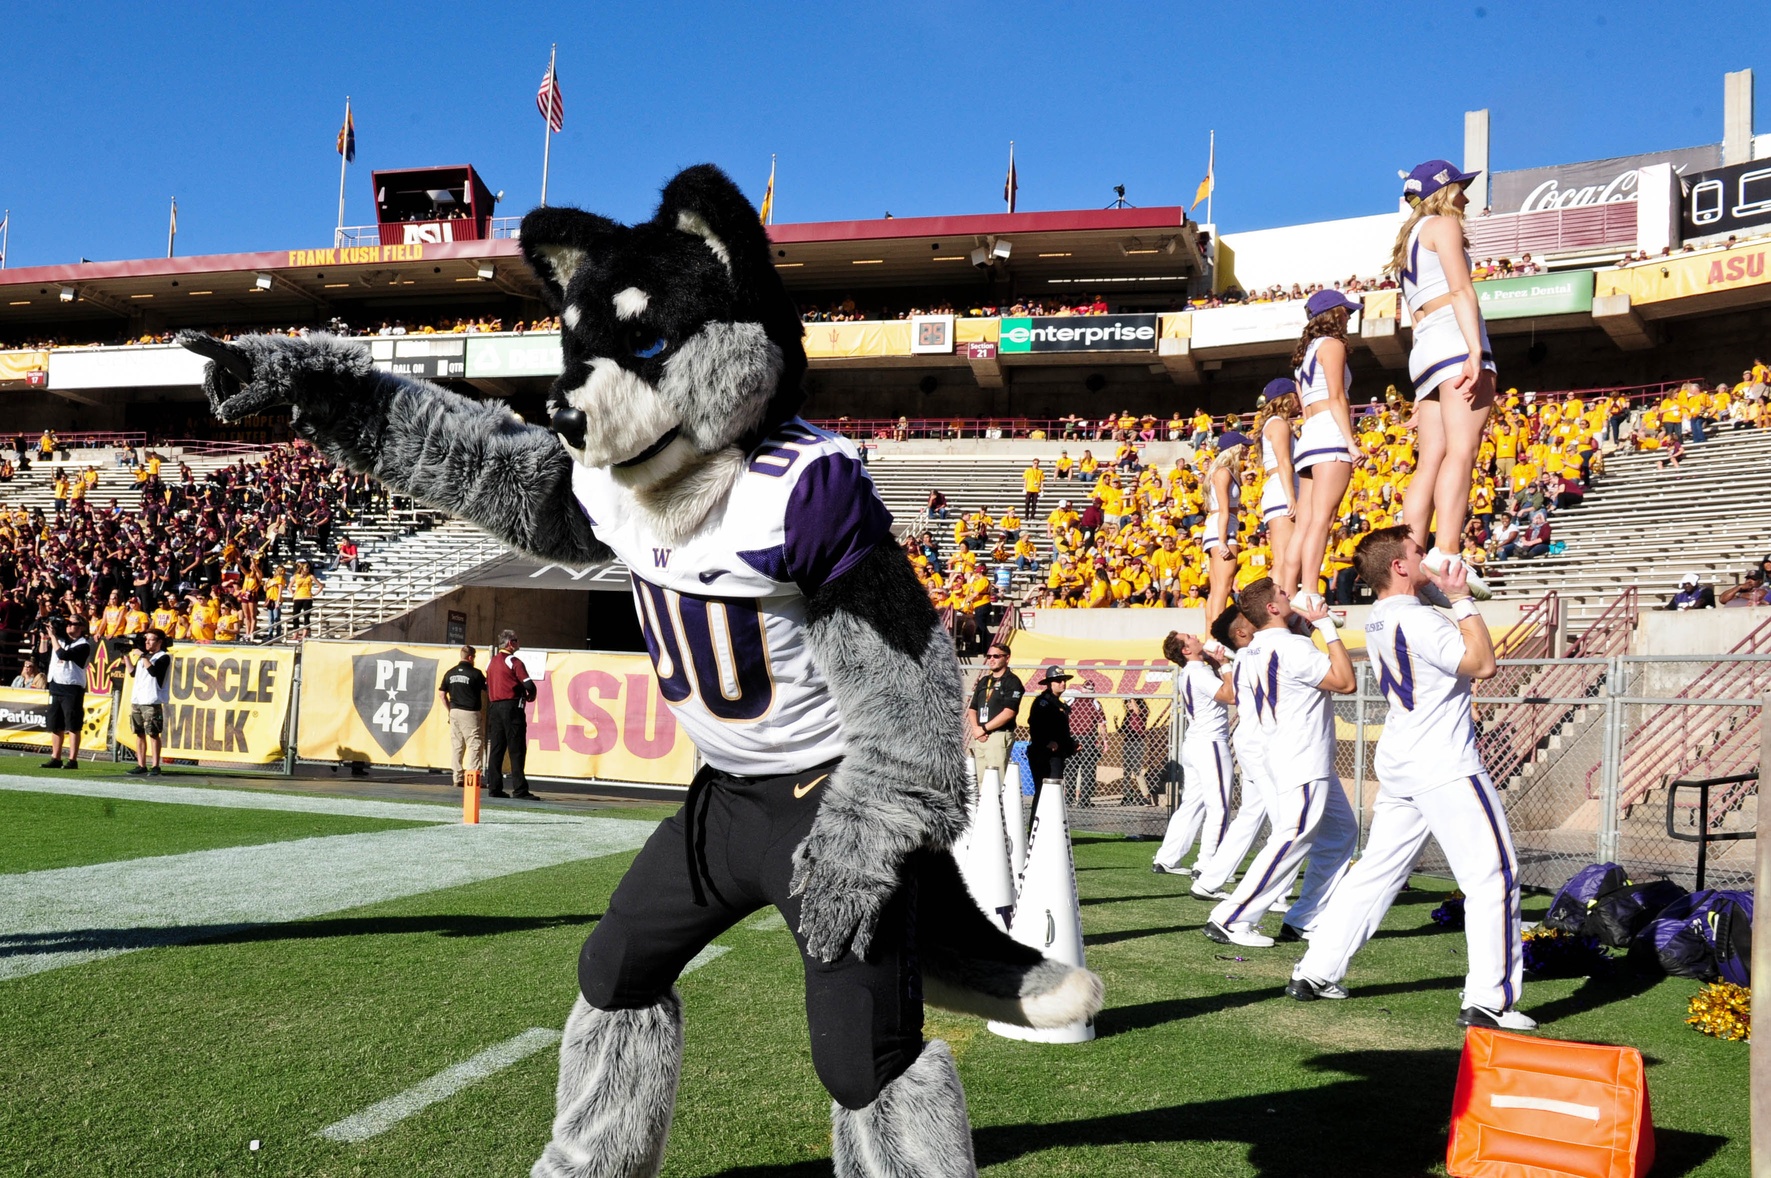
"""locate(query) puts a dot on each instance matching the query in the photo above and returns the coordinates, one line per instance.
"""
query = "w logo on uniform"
(1400, 686)
(660, 557)
(1266, 695)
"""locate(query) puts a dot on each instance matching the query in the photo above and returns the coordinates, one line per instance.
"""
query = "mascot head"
(682, 348)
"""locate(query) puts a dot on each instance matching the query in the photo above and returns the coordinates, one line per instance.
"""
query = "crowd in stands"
(1667, 251)
(445, 325)
(233, 557)
(1125, 533)
(846, 310)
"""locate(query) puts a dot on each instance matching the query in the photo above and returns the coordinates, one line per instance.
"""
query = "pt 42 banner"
(594, 715)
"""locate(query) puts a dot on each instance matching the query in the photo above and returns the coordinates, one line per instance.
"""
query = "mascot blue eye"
(650, 350)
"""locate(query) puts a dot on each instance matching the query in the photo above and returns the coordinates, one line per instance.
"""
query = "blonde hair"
(1285, 405)
(1228, 459)
(1442, 203)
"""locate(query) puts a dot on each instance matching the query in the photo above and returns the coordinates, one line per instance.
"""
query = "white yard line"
(67, 916)
(247, 799)
(378, 1118)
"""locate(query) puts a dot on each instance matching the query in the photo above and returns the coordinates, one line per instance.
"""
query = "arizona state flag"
(1011, 185)
(347, 137)
(768, 205)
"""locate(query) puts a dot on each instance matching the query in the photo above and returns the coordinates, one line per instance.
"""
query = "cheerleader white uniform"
(1273, 490)
(1320, 440)
(1439, 350)
(1212, 539)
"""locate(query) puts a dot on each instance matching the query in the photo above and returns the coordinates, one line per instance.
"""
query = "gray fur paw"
(255, 373)
(843, 889)
(917, 1128)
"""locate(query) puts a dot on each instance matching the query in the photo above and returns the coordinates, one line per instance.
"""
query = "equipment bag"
(1617, 915)
(1706, 935)
(1568, 911)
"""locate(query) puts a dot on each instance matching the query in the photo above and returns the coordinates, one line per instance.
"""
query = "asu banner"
(1681, 277)
(24, 719)
(229, 704)
(594, 715)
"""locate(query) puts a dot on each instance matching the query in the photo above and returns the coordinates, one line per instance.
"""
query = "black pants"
(727, 853)
(507, 731)
(1045, 766)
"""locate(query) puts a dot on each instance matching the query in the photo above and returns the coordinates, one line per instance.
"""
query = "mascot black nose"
(570, 425)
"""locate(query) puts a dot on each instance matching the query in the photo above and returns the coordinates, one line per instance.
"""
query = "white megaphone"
(1015, 819)
(1047, 916)
(983, 852)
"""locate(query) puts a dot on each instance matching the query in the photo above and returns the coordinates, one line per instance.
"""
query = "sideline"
(378, 1118)
(69, 916)
(252, 799)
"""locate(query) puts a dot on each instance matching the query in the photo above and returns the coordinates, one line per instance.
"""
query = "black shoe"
(1288, 933)
(138, 771)
(52, 763)
(154, 772)
(496, 793)
(525, 795)
(1499, 1020)
(70, 763)
(1309, 990)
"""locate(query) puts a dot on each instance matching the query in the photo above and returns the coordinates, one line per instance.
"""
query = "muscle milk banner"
(594, 715)
(229, 704)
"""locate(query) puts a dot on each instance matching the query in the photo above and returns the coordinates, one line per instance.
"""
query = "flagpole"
(547, 124)
(343, 163)
(1009, 196)
(172, 228)
(1211, 176)
(5, 231)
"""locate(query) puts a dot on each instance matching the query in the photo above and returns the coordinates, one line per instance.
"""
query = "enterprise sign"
(1079, 333)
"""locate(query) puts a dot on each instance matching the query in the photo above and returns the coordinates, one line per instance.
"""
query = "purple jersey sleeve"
(834, 518)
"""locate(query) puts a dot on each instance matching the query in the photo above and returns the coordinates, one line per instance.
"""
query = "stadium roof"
(1050, 254)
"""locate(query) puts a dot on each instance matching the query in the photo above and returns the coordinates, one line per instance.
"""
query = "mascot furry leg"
(790, 638)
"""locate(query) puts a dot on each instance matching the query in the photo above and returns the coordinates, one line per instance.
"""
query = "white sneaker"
(1204, 893)
(1501, 1020)
(1436, 561)
(1240, 933)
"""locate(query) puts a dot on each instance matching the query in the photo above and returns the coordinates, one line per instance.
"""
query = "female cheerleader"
(1223, 506)
(1451, 363)
(1324, 455)
(1279, 494)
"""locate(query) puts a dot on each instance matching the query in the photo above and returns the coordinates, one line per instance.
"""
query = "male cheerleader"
(1204, 811)
(1233, 631)
(1431, 781)
(1291, 689)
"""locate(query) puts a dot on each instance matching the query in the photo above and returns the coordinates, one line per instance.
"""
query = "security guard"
(990, 721)
(464, 693)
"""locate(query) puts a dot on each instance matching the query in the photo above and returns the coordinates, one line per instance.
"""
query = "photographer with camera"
(68, 657)
(150, 668)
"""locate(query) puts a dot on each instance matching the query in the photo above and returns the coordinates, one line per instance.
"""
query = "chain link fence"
(1585, 753)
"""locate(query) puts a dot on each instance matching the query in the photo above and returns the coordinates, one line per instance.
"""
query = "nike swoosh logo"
(800, 791)
(712, 575)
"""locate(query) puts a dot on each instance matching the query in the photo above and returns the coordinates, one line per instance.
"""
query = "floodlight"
(262, 281)
(67, 294)
(486, 271)
(1000, 250)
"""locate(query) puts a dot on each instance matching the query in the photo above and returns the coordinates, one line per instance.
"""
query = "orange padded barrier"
(1543, 1108)
(470, 797)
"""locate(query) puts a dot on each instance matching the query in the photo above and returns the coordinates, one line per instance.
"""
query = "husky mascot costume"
(789, 635)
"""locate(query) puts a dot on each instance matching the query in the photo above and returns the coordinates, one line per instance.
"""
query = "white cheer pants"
(1297, 818)
(1467, 818)
(1204, 810)
(1331, 855)
(1239, 836)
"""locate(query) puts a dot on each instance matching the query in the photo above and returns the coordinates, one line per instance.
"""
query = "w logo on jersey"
(1266, 695)
(1399, 685)
(660, 558)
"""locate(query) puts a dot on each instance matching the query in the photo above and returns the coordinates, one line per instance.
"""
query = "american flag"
(549, 101)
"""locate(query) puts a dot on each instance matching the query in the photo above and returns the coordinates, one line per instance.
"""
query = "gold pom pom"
(1723, 1010)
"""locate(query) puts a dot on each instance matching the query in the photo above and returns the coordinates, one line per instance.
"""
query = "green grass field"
(169, 1061)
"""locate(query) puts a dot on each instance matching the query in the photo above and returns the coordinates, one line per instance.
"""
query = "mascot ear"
(556, 242)
(704, 202)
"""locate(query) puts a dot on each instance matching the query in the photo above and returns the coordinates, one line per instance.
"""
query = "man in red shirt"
(507, 729)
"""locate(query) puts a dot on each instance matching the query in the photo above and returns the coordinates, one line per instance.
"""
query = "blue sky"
(904, 107)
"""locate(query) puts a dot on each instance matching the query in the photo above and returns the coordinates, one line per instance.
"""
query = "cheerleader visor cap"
(1278, 387)
(1324, 301)
(1430, 177)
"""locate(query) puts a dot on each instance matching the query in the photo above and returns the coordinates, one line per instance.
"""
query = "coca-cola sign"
(1593, 182)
